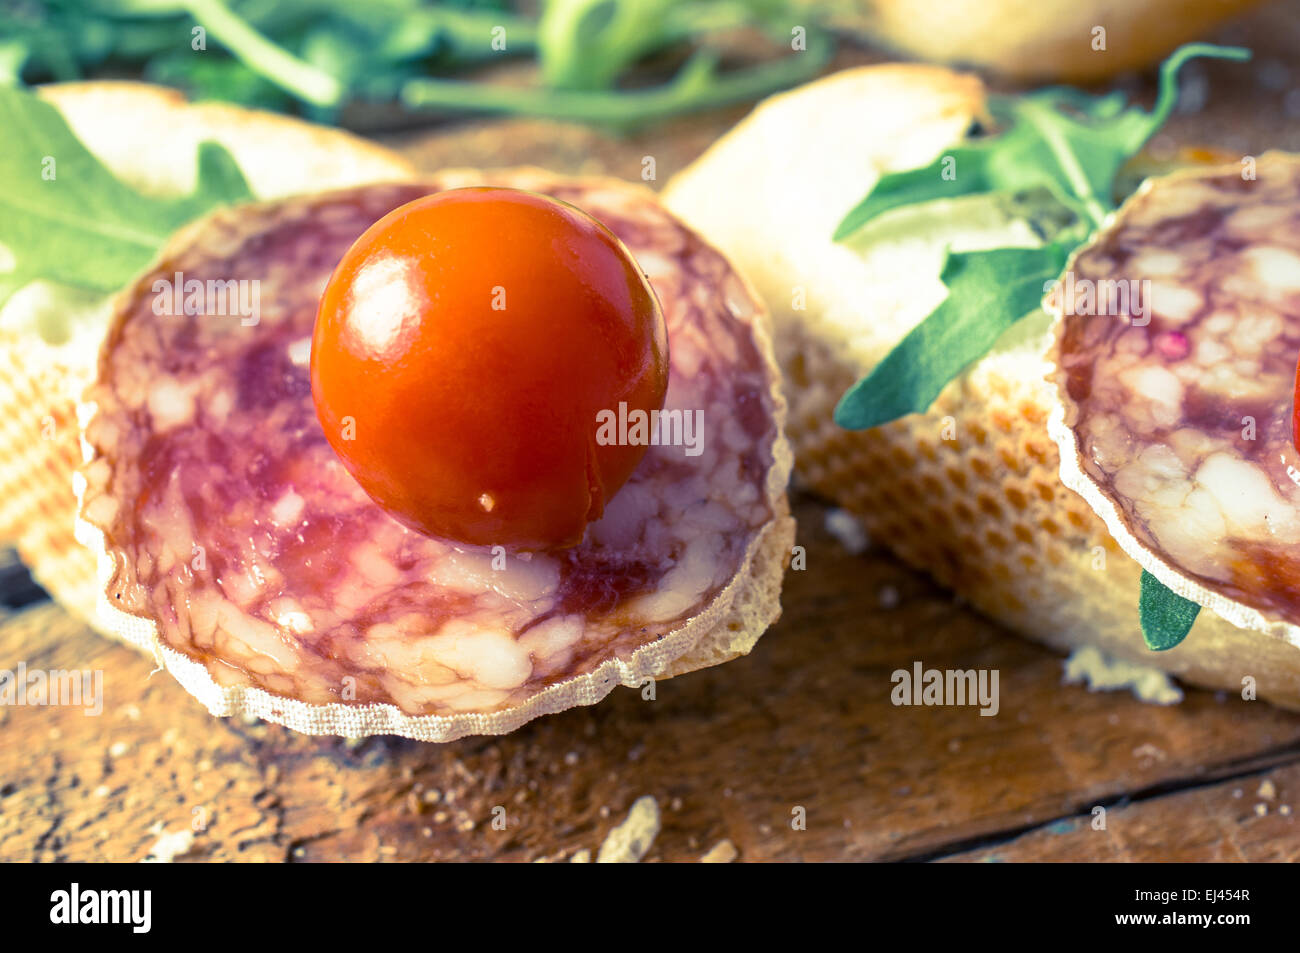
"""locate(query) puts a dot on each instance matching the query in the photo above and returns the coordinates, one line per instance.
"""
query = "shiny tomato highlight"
(463, 349)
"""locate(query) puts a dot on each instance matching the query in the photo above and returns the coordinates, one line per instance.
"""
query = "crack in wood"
(1259, 765)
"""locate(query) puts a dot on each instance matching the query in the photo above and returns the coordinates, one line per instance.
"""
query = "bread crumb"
(1261, 810)
(630, 841)
(1267, 790)
(1103, 674)
(848, 532)
(723, 852)
(169, 846)
(581, 857)
(1149, 750)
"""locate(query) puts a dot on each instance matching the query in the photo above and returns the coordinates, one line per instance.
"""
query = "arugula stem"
(137, 8)
(265, 57)
(1167, 95)
(696, 86)
(1041, 116)
(467, 31)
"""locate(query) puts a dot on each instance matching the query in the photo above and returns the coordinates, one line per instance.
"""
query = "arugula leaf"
(266, 57)
(1076, 155)
(1166, 616)
(988, 291)
(960, 171)
(315, 56)
(67, 219)
(589, 44)
(698, 84)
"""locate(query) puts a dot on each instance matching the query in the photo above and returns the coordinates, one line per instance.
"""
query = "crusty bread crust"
(148, 135)
(969, 492)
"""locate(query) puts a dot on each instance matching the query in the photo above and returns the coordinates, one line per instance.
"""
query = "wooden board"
(803, 726)
(731, 753)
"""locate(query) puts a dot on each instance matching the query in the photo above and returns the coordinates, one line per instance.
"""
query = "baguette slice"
(239, 653)
(42, 385)
(148, 137)
(969, 492)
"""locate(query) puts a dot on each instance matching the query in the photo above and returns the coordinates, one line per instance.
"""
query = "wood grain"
(805, 721)
(1249, 818)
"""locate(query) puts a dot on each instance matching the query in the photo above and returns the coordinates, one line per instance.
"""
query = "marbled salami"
(1179, 400)
(232, 524)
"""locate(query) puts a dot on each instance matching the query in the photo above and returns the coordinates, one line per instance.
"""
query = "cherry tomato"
(1295, 411)
(462, 352)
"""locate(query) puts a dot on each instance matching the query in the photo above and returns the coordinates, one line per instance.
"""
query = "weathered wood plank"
(805, 721)
(1247, 818)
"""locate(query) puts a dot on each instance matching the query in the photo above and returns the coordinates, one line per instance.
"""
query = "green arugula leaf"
(317, 56)
(589, 44)
(960, 171)
(1166, 616)
(65, 218)
(698, 84)
(988, 291)
(266, 57)
(1076, 155)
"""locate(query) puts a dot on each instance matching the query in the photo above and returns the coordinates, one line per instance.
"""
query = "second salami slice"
(1176, 362)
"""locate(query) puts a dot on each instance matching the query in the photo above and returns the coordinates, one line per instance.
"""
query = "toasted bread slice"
(41, 385)
(970, 491)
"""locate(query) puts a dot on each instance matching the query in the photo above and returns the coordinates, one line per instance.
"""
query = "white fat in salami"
(233, 525)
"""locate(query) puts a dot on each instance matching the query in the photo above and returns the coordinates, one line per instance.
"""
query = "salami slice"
(1176, 363)
(230, 524)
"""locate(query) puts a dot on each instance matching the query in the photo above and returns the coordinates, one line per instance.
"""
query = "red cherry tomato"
(1295, 411)
(463, 349)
